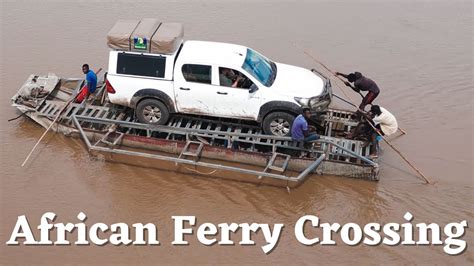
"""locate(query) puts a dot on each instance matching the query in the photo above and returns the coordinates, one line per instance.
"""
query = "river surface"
(419, 53)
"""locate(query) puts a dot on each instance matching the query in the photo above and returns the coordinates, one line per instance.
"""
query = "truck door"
(194, 91)
(198, 91)
(233, 93)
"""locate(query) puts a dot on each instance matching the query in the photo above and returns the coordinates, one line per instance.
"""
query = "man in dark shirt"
(362, 83)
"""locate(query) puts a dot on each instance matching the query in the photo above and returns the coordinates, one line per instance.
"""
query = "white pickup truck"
(161, 74)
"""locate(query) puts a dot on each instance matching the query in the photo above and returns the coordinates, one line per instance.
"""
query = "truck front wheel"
(151, 111)
(278, 124)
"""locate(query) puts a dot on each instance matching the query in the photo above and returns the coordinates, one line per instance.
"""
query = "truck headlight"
(302, 101)
(314, 101)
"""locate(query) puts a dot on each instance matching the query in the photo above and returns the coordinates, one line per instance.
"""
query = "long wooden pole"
(51, 125)
(427, 180)
(327, 68)
(46, 131)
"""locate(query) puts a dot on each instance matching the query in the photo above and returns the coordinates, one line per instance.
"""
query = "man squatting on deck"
(300, 130)
(362, 83)
(91, 84)
(384, 122)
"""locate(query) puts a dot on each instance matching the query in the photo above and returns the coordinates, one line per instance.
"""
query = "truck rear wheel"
(278, 124)
(151, 111)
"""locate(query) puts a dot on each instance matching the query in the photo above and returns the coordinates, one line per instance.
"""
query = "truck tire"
(278, 124)
(152, 111)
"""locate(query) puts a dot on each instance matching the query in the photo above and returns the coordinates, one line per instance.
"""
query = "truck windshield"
(260, 67)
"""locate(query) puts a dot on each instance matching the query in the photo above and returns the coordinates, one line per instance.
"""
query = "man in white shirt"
(385, 123)
(384, 120)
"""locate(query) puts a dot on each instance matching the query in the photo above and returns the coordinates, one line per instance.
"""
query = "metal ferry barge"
(197, 145)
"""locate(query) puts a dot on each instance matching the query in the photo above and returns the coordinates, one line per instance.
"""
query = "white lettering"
(81, 230)
(179, 231)
(120, 238)
(328, 229)
(372, 230)
(371, 234)
(226, 229)
(44, 228)
(408, 229)
(246, 233)
(94, 233)
(459, 245)
(391, 230)
(207, 229)
(62, 229)
(272, 239)
(299, 229)
(22, 229)
(423, 233)
(140, 234)
(346, 232)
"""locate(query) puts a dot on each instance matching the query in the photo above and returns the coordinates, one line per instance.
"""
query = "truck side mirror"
(253, 88)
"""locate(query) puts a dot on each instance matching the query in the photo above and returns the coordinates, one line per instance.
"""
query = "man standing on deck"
(362, 83)
(91, 84)
(300, 130)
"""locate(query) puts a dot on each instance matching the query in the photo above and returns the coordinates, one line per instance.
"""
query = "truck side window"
(197, 73)
(233, 78)
(141, 65)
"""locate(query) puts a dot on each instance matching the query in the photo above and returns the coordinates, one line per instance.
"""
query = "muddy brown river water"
(420, 54)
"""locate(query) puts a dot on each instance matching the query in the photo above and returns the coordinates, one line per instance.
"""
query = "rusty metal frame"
(223, 135)
(91, 147)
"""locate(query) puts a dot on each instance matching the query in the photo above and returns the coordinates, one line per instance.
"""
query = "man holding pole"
(362, 83)
(384, 124)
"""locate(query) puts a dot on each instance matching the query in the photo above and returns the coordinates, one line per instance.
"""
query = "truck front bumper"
(322, 102)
